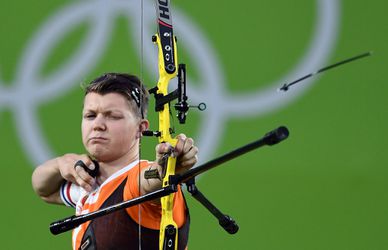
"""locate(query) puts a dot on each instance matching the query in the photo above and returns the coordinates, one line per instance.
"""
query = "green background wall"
(323, 188)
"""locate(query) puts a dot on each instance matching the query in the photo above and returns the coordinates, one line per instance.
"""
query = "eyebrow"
(104, 112)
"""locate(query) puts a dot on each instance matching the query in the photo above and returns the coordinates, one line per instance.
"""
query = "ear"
(143, 126)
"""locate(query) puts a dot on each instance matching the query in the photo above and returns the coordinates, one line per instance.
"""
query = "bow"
(168, 69)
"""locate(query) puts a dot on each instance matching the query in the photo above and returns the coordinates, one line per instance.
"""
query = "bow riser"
(168, 65)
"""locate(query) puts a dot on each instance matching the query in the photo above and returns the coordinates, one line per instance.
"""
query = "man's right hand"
(76, 174)
(48, 177)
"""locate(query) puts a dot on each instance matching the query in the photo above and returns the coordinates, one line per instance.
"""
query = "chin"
(97, 152)
(103, 156)
(100, 157)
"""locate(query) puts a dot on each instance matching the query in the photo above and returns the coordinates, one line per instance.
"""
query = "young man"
(115, 107)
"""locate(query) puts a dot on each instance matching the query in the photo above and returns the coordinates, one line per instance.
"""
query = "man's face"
(109, 128)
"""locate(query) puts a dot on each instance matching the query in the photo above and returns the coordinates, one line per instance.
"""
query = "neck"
(108, 168)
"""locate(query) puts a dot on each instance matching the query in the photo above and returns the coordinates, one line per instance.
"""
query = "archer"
(113, 119)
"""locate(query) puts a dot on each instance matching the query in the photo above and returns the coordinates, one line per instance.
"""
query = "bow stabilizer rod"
(271, 138)
(74, 221)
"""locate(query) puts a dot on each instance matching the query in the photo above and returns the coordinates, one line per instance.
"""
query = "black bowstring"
(141, 110)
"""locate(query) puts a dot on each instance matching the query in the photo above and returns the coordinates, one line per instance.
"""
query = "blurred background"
(323, 188)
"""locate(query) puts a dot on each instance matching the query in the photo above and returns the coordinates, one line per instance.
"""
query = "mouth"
(97, 139)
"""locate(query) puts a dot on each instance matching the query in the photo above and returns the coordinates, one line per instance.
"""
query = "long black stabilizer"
(271, 138)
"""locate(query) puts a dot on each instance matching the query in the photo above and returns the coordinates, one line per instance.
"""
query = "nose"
(99, 123)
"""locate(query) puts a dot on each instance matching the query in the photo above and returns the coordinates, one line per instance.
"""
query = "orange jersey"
(119, 230)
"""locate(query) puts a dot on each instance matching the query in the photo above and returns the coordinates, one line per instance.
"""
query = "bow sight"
(182, 107)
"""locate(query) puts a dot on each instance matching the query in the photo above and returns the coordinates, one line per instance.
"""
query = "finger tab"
(92, 173)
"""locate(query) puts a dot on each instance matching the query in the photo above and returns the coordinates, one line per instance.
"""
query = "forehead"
(110, 101)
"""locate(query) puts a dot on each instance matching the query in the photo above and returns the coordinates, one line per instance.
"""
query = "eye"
(115, 116)
(89, 116)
